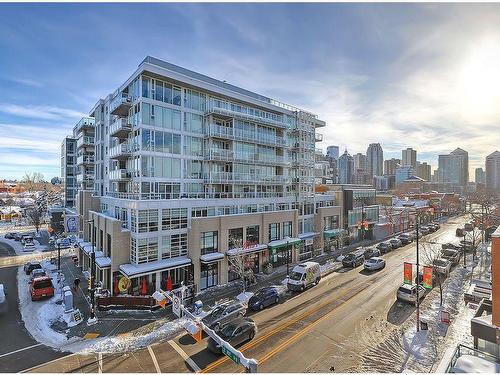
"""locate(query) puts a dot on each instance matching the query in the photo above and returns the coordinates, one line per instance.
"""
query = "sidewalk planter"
(127, 303)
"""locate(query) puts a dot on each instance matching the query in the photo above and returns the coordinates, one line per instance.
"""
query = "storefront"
(281, 251)
(209, 275)
(248, 260)
(333, 239)
(307, 249)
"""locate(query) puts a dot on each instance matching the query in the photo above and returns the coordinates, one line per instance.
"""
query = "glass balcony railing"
(120, 128)
(85, 123)
(318, 137)
(120, 104)
(120, 174)
(85, 159)
(214, 130)
(85, 141)
(230, 155)
(221, 177)
(123, 150)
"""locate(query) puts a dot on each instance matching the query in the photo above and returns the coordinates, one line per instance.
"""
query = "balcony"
(120, 105)
(253, 158)
(318, 137)
(224, 132)
(86, 176)
(120, 175)
(219, 154)
(85, 141)
(86, 123)
(120, 128)
(122, 151)
(230, 177)
(85, 160)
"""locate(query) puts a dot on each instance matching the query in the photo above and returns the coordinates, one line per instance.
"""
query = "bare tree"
(430, 253)
(34, 214)
(32, 181)
(238, 262)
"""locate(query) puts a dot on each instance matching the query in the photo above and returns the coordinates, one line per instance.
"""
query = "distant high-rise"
(480, 177)
(375, 159)
(390, 166)
(345, 168)
(424, 170)
(409, 157)
(403, 173)
(359, 162)
(332, 152)
(454, 167)
(493, 171)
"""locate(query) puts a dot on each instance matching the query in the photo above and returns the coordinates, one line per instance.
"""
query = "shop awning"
(82, 244)
(212, 257)
(306, 235)
(103, 262)
(88, 249)
(246, 250)
(283, 243)
(332, 233)
(134, 270)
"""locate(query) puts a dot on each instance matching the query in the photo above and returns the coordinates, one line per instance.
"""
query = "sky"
(425, 76)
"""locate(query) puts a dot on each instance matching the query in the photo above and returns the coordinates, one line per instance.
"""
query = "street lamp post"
(59, 255)
(287, 257)
(418, 276)
(92, 319)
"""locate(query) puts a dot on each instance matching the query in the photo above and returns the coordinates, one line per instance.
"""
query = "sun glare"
(479, 81)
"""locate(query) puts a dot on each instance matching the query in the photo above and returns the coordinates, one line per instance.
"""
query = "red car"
(41, 287)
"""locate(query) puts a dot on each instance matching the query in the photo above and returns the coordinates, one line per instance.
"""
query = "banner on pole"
(408, 273)
(427, 277)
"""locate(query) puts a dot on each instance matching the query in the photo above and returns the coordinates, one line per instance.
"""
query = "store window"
(274, 231)
(287, 229)
(252, 235)
(235, 239)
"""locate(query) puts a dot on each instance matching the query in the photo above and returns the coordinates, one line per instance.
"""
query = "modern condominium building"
(68, 170)
(192, 175)
(375, 159)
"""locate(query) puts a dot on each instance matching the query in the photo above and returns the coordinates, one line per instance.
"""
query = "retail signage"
(408, 273)
(427, 279)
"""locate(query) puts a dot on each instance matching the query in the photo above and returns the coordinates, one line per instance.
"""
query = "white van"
(303, 276)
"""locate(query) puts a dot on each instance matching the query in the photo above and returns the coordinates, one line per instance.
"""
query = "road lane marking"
(278, 329)
(153, 357)
(183, 354)
(99, 356)
(19, 350)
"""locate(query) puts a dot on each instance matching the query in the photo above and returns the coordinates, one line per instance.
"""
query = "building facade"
(480, 176)
(345, 168)
(454, 167)
(390, 166)
(192, 174)
(424, 170)
(68, 170)
(403, 173)
(332, 152)
(409, 157)
(493, 171)
(359, 162)
(375, 159)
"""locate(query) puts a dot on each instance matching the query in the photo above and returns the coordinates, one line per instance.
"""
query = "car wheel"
(261, 307)
(277, 300)
(217, 327)
(302, 288)
(241, 314)
(251, 335)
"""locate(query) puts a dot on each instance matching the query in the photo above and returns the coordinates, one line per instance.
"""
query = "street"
(343, 324)
(18, 350)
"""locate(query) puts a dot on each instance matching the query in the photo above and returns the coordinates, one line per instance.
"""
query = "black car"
(384, 247)
(30, 266)
(236, 332)
(264, 297)
(353, 260)
(18, 236)
(395, 243)
(10, 236)
(371, 252)
(223, 314)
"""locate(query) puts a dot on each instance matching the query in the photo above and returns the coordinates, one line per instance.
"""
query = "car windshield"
(43, 284)
(372, 261)
(405, 290)
(295, 276)
(218, 311)
(228, 330)
(439, 262)
(349, 257)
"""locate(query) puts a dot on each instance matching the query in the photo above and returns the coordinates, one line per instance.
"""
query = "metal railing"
(122, 124)
(85, 141)
(85, 159)
(230, 155)
(238, 134)
(120, 174)
(466, 350)
(121, 99)
(244, 177)
(123, 149)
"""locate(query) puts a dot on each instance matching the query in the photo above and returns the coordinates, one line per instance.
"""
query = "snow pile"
(328, 267)
(19, 247)
(418, 344)
(285, 281)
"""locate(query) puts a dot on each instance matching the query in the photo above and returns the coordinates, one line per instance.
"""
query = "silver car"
(3, 300)
(374, 264)
(223, 314)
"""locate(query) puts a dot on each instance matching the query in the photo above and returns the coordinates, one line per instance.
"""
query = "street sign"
(445, 317)
(176, 305)
(232, 356)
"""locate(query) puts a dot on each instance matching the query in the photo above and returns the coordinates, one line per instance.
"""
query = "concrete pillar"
(223, 269)
(158, 281)
(495, 276)
(197, 272)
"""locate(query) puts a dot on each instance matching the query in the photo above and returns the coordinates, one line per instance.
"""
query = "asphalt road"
(18, 350)
(307, 333)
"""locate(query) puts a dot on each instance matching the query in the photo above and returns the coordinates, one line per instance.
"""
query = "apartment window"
(174, 245)
(209, 242)
(193, 123)
(235, 239)
(287, 229)
(174, 218)
(252, 235)
(144, 250)
(331, 222)
(274, 231)
(148, 221)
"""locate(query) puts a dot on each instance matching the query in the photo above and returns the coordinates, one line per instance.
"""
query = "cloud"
(26, 82)
(40, 112)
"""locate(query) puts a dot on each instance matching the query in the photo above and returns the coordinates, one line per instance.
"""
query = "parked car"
(384, 247)
(235, 333)
(451, 246)
(437, 225)
(408, 293)
(17, 236)
(452, 255)
(466, 245)
(424, 230)
(64, 243)
(30, 266)
(459, 232)
(303, 276)
(41, 287)
(264, 297)
(3, 300)
(374, 264)
(353, 259)
(371, 252)
(469, 227)
(9, 236)
(223, 314)
(432, 227)
(29, 246)
(442, 266)
(37, 272)
(395, 243)
(26, 238)
(405, 238)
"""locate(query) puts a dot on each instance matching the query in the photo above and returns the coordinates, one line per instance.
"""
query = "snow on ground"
(19, 248)
(328, 267)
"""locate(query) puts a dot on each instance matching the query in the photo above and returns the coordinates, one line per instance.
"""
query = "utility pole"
(92, 319)
(463, 247)
(59, 255)
(418, 277)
